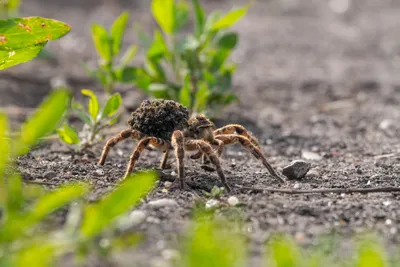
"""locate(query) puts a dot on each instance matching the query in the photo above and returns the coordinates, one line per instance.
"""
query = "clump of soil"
(159, 118)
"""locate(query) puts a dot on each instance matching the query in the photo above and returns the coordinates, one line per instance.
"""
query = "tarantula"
(165, 124)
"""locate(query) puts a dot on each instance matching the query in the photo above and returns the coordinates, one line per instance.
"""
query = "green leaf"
(35, 255)
(15, 198)
(228, 40)
(285, 253)
(181, 15)
(4, 143)
(163, 12)
(13, 4)
(102, 42)
(158, 47)
(116, 203)
(114, 120)
(117, 32)
(219, 59)
(43, 121)
(370, 255)
(201, 97)
(143, 79)
(199, 18)
(129, 55)
(79, 111)
(17, 56)
(68, 135)
(20, 33)
(144, 39)
(185, 95)
(155, 69)
(126, 74)
(159, 90)
(93, 105)
(229, 19)
(112, 105)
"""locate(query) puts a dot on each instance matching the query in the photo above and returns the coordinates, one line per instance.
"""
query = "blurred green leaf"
(144, 39)
(68, 135)
(35, 255)
(230, 18)
(163, 12)
(199, 18)
(13, 4)
(201, 97)
(219, 59)
(81, 113)
(181, 15)
(114, 120)
(127, 74)
(158, 47)
(112, 105)
(370, 255)
(43, 121)
(185, 95)
(228, 40)
(15, 198)
(214, 244)
(4, 143)
(155, 69)
(26, 32)
(93, 105)
(102, 42)
(117, 32)
(17, 56)
(129, 55)
(143, 80)
(284, 252)
(116, 203)
(159, 90)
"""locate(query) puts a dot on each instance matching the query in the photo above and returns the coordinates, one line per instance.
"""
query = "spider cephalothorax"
(165, 124)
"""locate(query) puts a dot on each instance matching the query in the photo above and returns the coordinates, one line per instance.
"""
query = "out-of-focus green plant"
(193, 68)
(108, 46)
(216, 192)
(95, 119)
(9, 8)
(21, 39)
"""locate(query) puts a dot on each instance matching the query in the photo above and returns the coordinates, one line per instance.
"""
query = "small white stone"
(296, 186)
(152, 219)
(173, 173)
(387, 203)
(388, 222)
(99, 172)
(120, 152)
(233, 201)
(312, 174)
(212, 203)
(385, 124)
(170, 254)
(167, 184)
(137, 217)
(163, 202)
(310, 155)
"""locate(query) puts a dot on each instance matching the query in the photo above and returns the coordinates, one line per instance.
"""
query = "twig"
(322, 191)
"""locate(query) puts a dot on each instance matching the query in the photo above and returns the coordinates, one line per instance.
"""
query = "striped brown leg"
(158, 143)
(164, 160)
(178, 144)
(116, 139)
(230, 139)
(238, 129)
(206, 149)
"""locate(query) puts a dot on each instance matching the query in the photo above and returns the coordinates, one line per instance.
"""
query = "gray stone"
(164, 202)
(296, 170)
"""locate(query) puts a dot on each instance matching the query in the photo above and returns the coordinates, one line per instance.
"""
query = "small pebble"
(387, 203)
(173, 173)
(99, 172)
(152, 219)
(233, 201)
(388, 222)
(296, 186)
(312, 174)
(310, 155)
(296, 170)
(167, 184)
(212, 203)
(50, 174)
(163, 202)
(170, 254)
(137, 216)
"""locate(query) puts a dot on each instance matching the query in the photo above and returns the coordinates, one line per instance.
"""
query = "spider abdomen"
(159, 118)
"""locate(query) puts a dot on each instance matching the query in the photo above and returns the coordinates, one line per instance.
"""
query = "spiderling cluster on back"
(166, 125)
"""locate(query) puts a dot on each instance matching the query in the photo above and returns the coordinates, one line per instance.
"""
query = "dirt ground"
(313, 77)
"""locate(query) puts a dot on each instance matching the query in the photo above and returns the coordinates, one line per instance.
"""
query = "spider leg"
(158, 143)
(229, 139)
(164, 160)
(116, 139)
(240, 130)
(178, 144)
(206, 149)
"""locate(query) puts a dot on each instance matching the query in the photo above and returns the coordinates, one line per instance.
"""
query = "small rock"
(173, 173)
(312, 174)
(385, 124)
(152, 219)
(296, 186)
(137, 216)
(50, 174)
(99, 172)
(296, 170)
(167, 184)
(212, 203)
(386, 203)
(233, 201)
(310, 155)
(388, 222)
(170, 254)
(120, 152)
(163, 202)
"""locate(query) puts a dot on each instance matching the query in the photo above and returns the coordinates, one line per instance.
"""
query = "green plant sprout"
(108, 46)
(9, 8)
(201, 77)
(95, 119)
(216, 192)
(21, 39)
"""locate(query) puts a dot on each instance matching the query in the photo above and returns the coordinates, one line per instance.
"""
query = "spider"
(166, 125)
